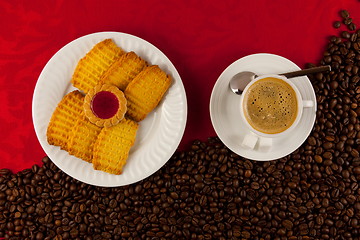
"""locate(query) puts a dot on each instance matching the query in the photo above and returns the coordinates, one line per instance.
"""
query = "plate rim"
(149, 47)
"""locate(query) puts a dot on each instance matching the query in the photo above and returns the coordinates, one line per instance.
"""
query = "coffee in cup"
(270, 105)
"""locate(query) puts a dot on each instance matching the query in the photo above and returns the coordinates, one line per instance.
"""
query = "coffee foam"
(270, 105)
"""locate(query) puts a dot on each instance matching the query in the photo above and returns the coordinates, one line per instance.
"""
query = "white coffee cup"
(263, 141)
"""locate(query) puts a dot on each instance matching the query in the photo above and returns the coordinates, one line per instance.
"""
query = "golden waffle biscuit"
(63, 119)
(145, 91)
(112, 146)
(82, 138)
(95, 63)
(123, 70)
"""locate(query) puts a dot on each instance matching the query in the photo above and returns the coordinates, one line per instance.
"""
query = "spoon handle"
(307, 71)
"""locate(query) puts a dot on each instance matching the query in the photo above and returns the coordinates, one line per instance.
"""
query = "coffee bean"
(344, 14)
(312, 141)
(248, 173)
(113, 203)
(5, 172)
(354, 222)
(292, 185)
(356, 46)
(337, 24)
(334, 85)
(318, 159)
(345, 34)
(255, 185)
(287, 224)
(329, 222)
(356, 170)
(347, 21)
(39, 236)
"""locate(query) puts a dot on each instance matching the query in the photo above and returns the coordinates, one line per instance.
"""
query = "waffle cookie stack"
(82, 138)
(132, 85)
(124, 70)
(145, 91)
(95, 63)
(110, 157)
(63, 119)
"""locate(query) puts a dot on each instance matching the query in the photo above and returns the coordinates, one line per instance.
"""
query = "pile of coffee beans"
(208, 192)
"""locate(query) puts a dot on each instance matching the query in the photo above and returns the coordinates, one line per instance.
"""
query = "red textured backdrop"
(201, 38)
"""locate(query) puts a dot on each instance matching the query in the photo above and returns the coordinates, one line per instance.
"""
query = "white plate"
(158, 135)
(225, 107)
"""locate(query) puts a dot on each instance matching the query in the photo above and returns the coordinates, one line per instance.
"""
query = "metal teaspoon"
(240, 80)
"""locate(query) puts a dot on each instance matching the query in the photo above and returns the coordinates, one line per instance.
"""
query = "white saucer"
(225, 109)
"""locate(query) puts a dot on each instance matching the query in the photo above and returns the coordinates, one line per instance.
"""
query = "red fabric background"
(201, 38)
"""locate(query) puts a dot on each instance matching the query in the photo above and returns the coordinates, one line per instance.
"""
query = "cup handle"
(250, 140)
(308, 103)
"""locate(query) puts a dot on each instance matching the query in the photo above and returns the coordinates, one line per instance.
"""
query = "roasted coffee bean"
(337, 24)
(352, 27)
(312, 140)
(347, 21)
(287, 224)
(345, 34)
(344, 14)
